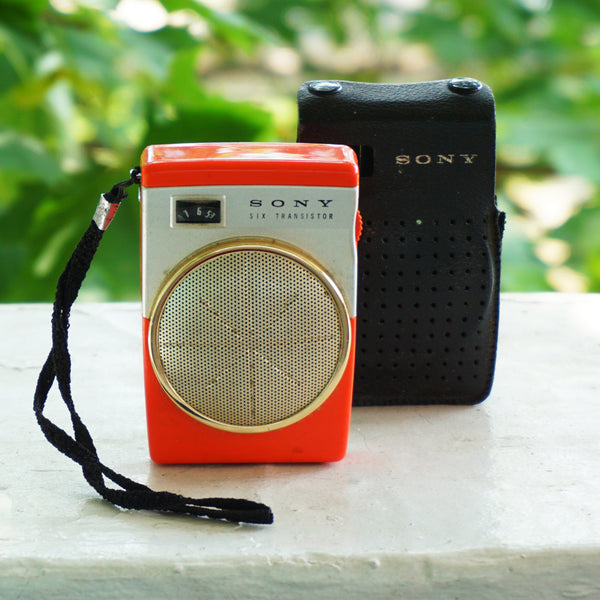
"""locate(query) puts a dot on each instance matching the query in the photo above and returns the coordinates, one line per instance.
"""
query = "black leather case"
(429, 255)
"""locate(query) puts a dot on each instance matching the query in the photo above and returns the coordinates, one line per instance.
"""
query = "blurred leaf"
(582, 232)
(569, 143)
(84, 52)
(234, 28)
(212, 119)
(27, 156)
(291, 19)
(151, 54)
(521, 269)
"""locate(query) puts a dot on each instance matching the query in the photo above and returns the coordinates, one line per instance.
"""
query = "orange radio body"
(249, 301)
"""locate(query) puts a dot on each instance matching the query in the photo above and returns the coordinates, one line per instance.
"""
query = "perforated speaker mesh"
(249, 337)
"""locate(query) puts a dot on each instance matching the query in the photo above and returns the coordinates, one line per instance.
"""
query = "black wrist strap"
(80, 448)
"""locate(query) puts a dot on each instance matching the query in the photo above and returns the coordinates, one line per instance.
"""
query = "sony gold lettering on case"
(436, 159)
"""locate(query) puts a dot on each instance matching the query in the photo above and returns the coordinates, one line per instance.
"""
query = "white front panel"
(318, 220)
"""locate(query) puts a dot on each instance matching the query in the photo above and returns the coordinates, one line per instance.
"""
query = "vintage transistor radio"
(248, 299)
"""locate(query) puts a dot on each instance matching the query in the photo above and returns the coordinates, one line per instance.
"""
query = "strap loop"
(80, 448)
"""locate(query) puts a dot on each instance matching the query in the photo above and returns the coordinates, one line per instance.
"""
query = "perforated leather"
(429, 255)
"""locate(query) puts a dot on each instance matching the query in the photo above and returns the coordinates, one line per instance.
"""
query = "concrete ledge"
(500, 500)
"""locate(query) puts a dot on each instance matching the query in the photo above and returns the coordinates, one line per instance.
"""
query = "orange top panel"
(248, 163)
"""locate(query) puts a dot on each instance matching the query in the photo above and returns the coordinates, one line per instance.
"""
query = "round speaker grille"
(249, 336)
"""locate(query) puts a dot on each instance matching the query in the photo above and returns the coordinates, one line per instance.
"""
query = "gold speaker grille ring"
(249, 335)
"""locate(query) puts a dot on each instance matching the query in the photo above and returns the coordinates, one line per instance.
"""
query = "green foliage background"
(82, 93)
